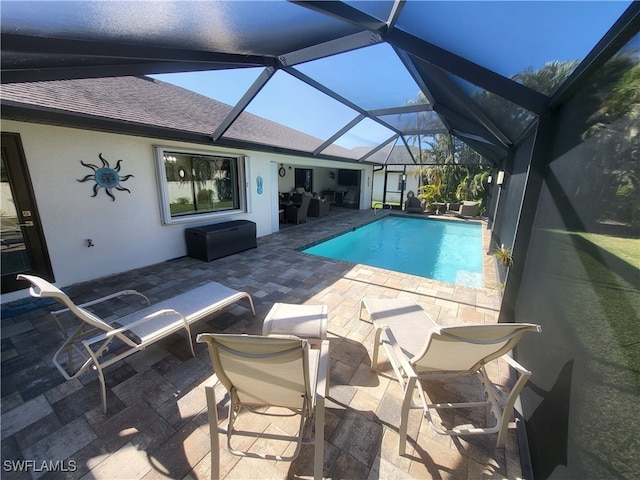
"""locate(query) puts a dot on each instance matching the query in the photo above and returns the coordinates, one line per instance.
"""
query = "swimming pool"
(444, 250)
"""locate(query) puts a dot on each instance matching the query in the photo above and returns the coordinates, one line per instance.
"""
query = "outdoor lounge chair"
(276, 371)
(418, 348)
(135, 331)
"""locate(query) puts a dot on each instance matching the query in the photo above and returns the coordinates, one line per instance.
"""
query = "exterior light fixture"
(500, 178)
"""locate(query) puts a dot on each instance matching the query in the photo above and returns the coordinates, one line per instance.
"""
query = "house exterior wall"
(321, 174)
(393, 195)
(127, 233)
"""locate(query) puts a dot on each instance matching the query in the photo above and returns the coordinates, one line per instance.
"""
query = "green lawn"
(627, 249)
(584, 289)
(183, 208)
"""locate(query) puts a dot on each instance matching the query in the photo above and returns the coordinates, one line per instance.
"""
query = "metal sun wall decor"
(106, 177)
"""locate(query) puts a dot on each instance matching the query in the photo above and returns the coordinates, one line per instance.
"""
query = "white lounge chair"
(418, 348)
(136, 331)
(268, 371)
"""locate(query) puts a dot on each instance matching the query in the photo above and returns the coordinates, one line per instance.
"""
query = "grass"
(378, 203)
(584, 289)
(184, 208)
(627, 249)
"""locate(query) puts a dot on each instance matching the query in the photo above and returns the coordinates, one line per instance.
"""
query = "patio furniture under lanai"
(420, 349)
(318, 208)
(275, 376)
(414, 205)
(298, 213)
(94, 337)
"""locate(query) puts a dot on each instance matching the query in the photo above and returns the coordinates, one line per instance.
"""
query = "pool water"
(444, 250)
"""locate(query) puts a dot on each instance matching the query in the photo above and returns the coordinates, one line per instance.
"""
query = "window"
(401, 180)
(198, 184)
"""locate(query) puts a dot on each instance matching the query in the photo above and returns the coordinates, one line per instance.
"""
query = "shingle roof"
(150, 102)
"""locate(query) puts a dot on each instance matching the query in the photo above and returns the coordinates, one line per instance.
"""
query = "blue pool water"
(448, 251)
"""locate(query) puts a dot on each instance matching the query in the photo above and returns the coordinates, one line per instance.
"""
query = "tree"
(547, 78)
(446, 180)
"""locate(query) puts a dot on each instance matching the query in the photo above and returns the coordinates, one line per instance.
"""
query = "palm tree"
(547, 78)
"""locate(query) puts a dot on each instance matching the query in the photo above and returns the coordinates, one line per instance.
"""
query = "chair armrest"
(515, 365)
(399, 361)
(104, 299)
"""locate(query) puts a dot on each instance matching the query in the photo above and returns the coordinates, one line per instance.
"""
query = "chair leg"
(95, 359)
(213, 427)
(190, 340)
(318, 461)
(103, 388)
(404, 414)
(376, 349)
(507, 408)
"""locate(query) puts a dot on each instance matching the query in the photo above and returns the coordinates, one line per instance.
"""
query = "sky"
(504, 36)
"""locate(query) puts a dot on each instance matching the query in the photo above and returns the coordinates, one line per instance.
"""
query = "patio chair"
(135, 331)
(469, 209)
(418, 348)
(414, 204)
(351, 198)
(268, 371)
(298, 213)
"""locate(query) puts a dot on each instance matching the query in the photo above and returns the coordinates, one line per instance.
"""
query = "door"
(275, 200)
(22, 246)
(395, 183)
(304, 178)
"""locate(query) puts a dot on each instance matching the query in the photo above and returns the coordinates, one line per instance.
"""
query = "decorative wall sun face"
(106, 177)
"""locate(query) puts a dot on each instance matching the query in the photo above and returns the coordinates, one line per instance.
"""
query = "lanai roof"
(387, 74)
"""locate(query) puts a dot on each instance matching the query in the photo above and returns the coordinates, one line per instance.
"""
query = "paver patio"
(156, 426)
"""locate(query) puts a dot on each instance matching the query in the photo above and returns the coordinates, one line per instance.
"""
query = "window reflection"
(200, 183)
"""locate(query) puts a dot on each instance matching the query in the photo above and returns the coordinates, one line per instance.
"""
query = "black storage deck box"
(220, 239)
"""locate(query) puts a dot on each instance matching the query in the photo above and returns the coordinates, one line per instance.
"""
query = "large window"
(202, 184)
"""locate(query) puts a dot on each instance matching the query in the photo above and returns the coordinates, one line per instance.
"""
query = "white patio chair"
(273, 371)
(418, 348)
(94, 336)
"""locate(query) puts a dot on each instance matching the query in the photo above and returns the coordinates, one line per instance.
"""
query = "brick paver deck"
(156, 425)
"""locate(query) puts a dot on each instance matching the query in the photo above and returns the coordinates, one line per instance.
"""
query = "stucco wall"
(393, 195)
(127, 233)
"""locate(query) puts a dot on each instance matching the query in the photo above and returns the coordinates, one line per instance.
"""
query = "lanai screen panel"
(513, 39)
(509, 117)
(381, 155)
(291, 103)
(411, 123)
(364, 137)
(510, 38)
(372, 77)
(240, 27)
(227, 86)
(400, 155)
(583, 261)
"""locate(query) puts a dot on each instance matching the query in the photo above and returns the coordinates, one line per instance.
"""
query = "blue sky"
(505, 36)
